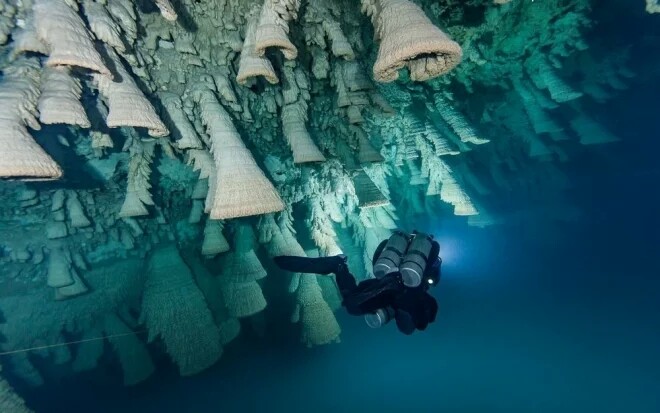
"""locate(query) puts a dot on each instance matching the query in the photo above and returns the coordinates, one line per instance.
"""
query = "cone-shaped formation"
(367, 192)
(170, 297)
(321, 229)
(541, 122)
(240, 272)
(294, 117)
(283, 241)
(138, 185)
(267, 228)
(442, 181)
(273, 28)
(409, 39)
(63, 31)
(89, 351)
(201, 189)
(244, 299)
(321, 18)
(10, 402)
(241, 189)
(591, 132)
(202, 161)
(102, 25)
(319, 325)
(367, 153)
(21, 157)
(76, 212)
(457, 121)
(452, 193)
(546, 77)
(229, 327)
(123, 13)
(77, 288)
(242, 264)
(60, 98)
(441, 145)
(253, 64)
(214, 242)
(180, 126)
(127, 104)
(59, 269)
(340, 45)
(132, 353)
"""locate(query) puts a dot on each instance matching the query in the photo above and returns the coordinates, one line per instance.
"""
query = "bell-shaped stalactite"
(21, 157)
(253, 63)
(241, 188)
(273, 27)
(426, 51)
(170, 296)
(240, 273)
(69, 42)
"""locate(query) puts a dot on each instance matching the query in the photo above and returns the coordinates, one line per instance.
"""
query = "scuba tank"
(407, 255)
(392, 254)
(381, 317)
(413, 264)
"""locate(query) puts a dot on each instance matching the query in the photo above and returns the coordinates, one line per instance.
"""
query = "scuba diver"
(405, 266)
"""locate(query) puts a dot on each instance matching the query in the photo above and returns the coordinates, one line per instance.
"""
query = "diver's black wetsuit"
(414, 308)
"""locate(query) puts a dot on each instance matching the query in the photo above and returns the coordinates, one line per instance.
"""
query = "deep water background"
(534, 317)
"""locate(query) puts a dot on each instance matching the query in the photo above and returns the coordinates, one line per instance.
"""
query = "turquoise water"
(137, 273)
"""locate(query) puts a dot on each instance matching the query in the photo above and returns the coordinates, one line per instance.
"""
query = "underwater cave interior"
(218, 134)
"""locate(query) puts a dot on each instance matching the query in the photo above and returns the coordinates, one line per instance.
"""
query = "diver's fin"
(324, 265)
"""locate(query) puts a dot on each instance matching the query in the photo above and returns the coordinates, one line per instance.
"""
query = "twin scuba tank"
(406, 254)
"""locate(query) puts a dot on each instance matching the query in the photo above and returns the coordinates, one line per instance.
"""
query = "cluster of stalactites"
(652, 6)
(313, 306)
(55, 28)
(426, 51)
(442, 181)
(21, 156)
(252, 63)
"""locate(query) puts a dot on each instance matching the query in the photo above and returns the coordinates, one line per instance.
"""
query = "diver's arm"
(321, 265)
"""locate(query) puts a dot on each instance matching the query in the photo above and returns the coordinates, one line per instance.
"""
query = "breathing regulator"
(409, 256)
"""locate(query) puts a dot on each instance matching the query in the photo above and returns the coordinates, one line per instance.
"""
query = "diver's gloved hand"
(321, 265)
